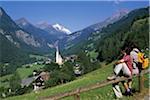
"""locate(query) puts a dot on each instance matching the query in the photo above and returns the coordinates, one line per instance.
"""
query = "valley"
(42, 59)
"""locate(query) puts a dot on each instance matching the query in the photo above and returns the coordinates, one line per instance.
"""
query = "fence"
(76, 92)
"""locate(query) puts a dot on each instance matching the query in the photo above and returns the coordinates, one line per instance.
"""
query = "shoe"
(128, 93)
(132, 90)
(111, 77)
(117, 91)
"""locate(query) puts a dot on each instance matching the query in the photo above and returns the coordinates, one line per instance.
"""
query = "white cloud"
(116, 1)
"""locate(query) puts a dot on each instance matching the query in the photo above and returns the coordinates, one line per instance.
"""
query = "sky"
(74, 15)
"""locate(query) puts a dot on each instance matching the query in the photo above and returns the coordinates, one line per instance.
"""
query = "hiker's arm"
(120, 61)
(123, 60)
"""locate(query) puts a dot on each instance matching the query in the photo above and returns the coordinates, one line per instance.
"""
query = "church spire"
(59, 59)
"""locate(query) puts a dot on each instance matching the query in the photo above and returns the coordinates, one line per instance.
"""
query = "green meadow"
(24, 72)
(98, 75)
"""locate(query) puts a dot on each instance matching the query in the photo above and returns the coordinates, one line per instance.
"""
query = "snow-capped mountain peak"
(61, 28)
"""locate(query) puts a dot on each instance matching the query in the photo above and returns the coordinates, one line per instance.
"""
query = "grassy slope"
(4, 78)
(101, 74)
(25, 72)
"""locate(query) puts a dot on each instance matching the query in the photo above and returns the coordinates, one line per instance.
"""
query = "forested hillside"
(130, 29)
(11, 53)
(11, 57)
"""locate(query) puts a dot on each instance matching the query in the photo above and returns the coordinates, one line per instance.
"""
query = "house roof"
(28, 81)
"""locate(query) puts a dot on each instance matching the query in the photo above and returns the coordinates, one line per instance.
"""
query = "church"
(59, 59)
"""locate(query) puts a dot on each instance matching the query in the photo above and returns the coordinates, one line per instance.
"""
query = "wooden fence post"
(141, 82)
(77, 96)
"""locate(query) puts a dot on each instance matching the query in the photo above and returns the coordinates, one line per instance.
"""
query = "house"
(71, 58)
(45, 75)
(48, 61)
(36, 80)
(26, 82)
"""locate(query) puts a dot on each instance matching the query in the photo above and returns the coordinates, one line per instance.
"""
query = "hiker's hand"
(120, 61)
(117, 62)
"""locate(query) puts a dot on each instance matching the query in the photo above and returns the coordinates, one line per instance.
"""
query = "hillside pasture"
(85, 80)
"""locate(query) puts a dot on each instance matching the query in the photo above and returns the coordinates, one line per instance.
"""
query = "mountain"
(61, 28)
(115, 17)
(77, 39)
(132, 28)
(14, 43)
(40, 34)
(13, 39)
(44, 32)
(22, 22)
(56, 30)
(14, 33)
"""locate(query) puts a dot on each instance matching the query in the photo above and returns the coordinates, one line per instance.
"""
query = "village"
(74, 50)
(38, 78)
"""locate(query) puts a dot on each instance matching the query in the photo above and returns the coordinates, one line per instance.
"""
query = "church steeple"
(59, 59)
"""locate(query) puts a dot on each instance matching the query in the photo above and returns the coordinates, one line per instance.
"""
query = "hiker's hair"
(127, 50)
(134, 45)
(128, 47)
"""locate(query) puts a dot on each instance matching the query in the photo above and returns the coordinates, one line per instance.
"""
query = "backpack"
(141, 59)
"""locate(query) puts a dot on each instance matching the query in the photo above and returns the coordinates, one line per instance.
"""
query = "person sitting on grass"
(124, 68)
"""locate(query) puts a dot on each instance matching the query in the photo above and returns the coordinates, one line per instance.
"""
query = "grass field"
(4, 81)
(93, 54)
(99, 75)
(24, 72)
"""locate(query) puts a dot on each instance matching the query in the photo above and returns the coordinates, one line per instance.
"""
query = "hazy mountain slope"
(41, 35)
(79, 38)
(130, 29)
(13, 39)
(9, 27)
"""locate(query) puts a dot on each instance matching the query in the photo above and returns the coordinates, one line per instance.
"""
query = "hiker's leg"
(126, 70)
(117, 90)
(118, 68)
(127, 73)
(130, 86)
(130, 83)
(126, 85)
(127, 89)
(117, 71)
(135, 70)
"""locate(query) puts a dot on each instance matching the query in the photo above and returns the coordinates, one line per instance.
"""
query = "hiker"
(140, 62)
(123, 67)
(134, 55)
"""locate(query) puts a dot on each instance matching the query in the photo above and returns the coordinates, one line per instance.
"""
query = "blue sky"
(74, 15)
